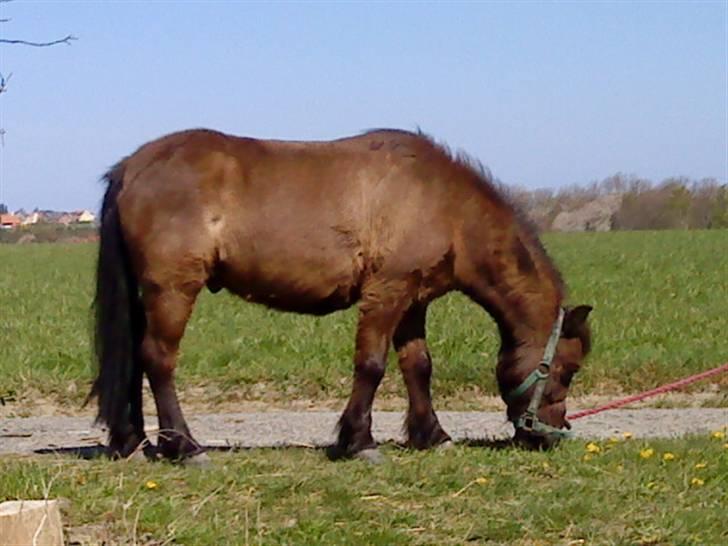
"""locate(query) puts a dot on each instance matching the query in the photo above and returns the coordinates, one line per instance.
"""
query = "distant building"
(30, 219)
(66, 219)
(22, 218)
(9, 221)
(86, 217)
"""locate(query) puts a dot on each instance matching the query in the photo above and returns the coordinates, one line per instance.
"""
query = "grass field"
(660, 298)
(627, 492)
(660, 313)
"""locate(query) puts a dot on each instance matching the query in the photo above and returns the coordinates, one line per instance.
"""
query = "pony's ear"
(575, 320)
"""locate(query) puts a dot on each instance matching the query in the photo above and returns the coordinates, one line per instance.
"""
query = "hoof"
(371, 456)
(126, 448)
(447, 445)
(334, 453)
(200, 460)
(137, 456)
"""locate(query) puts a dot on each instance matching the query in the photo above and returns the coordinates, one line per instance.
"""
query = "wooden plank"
(30, 523)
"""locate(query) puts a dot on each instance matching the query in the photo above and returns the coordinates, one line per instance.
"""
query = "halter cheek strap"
(529, 421)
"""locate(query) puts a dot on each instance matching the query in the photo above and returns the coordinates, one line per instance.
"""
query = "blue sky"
(545, 94)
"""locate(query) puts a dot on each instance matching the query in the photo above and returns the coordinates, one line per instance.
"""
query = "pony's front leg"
(423, 427)
(377, 321)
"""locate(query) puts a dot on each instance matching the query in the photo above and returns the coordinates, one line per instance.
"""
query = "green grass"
(464, 495)
(660, 303)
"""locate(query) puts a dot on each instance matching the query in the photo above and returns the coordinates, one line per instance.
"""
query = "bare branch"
(67, 40)
(3, 79)
(4, 82)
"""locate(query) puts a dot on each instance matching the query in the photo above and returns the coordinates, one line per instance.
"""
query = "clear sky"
(545, 94)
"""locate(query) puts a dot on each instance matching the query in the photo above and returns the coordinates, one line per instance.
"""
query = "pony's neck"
(525, 326)
(524, 300)
(504, 267)
(524, 319)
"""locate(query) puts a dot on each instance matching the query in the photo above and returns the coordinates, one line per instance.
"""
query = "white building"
(86, 217)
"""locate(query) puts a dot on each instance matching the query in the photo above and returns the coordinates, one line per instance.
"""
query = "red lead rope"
(647, 394)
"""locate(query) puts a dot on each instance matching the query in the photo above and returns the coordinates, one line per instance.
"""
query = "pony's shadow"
(490, 443)
(80, 452)
(99, 451)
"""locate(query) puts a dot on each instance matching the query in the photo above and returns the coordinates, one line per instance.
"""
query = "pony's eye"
(566, 378)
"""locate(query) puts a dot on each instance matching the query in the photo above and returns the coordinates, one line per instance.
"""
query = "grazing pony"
(388, 220)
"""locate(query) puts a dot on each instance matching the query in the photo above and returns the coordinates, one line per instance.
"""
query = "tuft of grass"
(659, 299)
(574, 494)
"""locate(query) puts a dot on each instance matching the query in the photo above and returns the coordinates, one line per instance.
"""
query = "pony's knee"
(371, 368)
(159, 361)
(422, 364)
(416, 360)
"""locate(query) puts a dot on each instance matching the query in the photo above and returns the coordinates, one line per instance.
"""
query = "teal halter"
(529, 421)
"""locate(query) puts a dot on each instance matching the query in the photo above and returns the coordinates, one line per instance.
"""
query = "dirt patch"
(317, 428)
(213, 400)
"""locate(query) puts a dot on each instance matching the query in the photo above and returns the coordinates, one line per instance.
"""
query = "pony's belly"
(339, 299)
(310, 291)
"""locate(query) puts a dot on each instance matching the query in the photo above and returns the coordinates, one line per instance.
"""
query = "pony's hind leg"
(167, 310)
(423, 427)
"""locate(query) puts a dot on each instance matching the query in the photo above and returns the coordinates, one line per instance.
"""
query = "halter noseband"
(529, 421)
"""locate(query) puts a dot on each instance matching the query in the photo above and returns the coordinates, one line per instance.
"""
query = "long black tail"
(119, 317)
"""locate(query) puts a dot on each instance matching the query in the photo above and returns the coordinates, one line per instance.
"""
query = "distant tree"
(719, 210)
(617, 183)
(14, 41)
(65, 40)
(623, 183)
(677, 205)
(706, 197)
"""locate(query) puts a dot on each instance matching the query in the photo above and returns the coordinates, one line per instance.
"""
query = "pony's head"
(534, 381)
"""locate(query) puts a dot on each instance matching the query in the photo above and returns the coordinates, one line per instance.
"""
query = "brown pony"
(388, 219)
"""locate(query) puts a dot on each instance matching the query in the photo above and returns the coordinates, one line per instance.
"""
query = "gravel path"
(316, 428)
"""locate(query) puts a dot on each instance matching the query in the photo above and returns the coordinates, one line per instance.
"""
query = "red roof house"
(9, 221)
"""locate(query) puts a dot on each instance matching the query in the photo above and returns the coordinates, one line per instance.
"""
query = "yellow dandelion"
(697, 482)
(591, 447)
(481, 481)
(718, 435)
(725, 446)
(647, 453)
(151, 484)
(668, 457)
(627, 435)
(586, 458)
(613, 440)
(698, 466)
